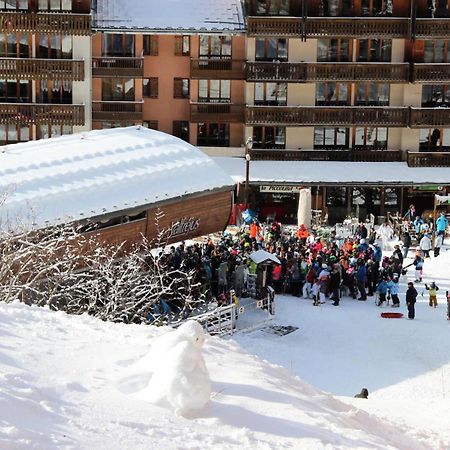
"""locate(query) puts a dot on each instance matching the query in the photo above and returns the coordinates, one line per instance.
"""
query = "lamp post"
(248, 147)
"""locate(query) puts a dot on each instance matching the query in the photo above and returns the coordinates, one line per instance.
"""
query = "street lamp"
(248, 147)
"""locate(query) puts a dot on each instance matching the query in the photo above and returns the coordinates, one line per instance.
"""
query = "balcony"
(429, 117)
(42, 69)
(347, 72)
(110, 66)
(327, 116)
(45, 23)
(327, 155)
(431, 73)
(316, 27)
(116, 110)
(425, 159)
(217, 69)
(41, 113)
(217, 112)
(437, 28)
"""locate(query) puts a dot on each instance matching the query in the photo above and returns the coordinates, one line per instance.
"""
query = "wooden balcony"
(217, 112)
(437, 28)
(428, 159)
(116, 110)
(45, 23)
(315, 27)
(327, 155)
(110, 66)
(431, 73)
(327, 116)
(429, 117)
(217, 69)
(347, 72)
(41, 113)
(42, 69)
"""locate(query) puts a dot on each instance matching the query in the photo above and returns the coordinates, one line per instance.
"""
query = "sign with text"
(277, 189)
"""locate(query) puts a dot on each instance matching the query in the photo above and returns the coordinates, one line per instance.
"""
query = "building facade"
(45, 52)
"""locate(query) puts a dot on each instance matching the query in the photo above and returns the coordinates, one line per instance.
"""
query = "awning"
(333, 173)
(442, 199)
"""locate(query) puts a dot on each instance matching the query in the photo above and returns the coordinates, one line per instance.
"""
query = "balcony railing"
(426, 159)
(301, 72)
(217, 69)
(431, 73)
(217, 112)
(437, 28)
(314, 27)
(327, 155)
(116, 110)
(41, 113)
(430, 117)
(334, 116)
(45, 23)
(111, 66)
(41, 69)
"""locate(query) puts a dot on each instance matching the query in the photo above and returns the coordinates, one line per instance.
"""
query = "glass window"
(272, 8)
(271, 49)
(215, 46)
(332, 94)
(371, 137)
(214, 91)
(271, 94)
(269, 137)
(118, 44)
(333, 50)
(372, 93)
(336, 196)
(213, 135)
(333, 138)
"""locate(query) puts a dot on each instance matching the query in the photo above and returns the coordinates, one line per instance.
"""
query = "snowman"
(180, 378)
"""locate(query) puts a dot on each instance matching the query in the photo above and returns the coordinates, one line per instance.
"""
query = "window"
(54, 91)
(214, 91)
(436, 95)
(47, 131)
(215, 47)
(15, 91)
(270, 94)
(271, 49)
(335, 8)
(213, 135)
(180, 88)
(151, 124)
(336, 196)
(436, 51)
(182, 45)
(376, 8)
(14, 46)
(55, 46)
(14, 4)
(180, 129)
(371, 93)
(11, 133)
(151, 45)
(118, 45)
(272, 7)
(331, 138)
(332, 94)
(269, 137)
(434, 140)
(334, 50)
(374, 50)
(118, 89)
(150, 87)
(371, 138)
(55, 5)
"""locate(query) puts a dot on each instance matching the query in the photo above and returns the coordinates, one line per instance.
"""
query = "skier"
(393, 289)
(411, 296)
(441, 225)
(425, 245)
(418, 262)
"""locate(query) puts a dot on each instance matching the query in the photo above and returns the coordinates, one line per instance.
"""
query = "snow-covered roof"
(170, 15)
(100, 172)
(334, 172)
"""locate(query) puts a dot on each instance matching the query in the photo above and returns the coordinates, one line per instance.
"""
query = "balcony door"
(215, 47)
(118, 44)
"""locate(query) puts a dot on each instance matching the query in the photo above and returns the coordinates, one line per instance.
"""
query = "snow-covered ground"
(74, 382)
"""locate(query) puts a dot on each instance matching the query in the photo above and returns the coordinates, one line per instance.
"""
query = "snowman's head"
(193, 332)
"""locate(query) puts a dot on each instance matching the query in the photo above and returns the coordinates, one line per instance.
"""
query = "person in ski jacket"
(361, 276)
(393, 290)
(417, 224)
(425, 245)
(382, 289)
(335, 284)
(406, 244)
(441, 223)
(432, 292)
(411, 296)
(418, 263)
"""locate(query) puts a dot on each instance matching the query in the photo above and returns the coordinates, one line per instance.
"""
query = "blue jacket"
(441, 223)
(361, 273)
(393, 287)
(377, 253)
(382, 287)
(417, 224)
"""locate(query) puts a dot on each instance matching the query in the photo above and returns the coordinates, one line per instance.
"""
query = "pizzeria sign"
(279, 189)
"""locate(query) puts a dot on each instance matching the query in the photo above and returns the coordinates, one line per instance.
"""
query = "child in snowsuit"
(432, 290)
(418, 262)
(382, 291)
(315, 292)
(393, 289)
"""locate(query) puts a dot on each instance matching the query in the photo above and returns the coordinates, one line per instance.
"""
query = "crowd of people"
(313, 266)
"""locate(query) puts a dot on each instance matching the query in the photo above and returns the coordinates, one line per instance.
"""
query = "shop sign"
(183, 226)
(430, 187)
(279, 189)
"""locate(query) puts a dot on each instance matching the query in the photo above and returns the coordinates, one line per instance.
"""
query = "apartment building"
(350, 80)
(45, 64)
(179, 71)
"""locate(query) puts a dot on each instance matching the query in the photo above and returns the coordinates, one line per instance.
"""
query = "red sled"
(391, 315)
